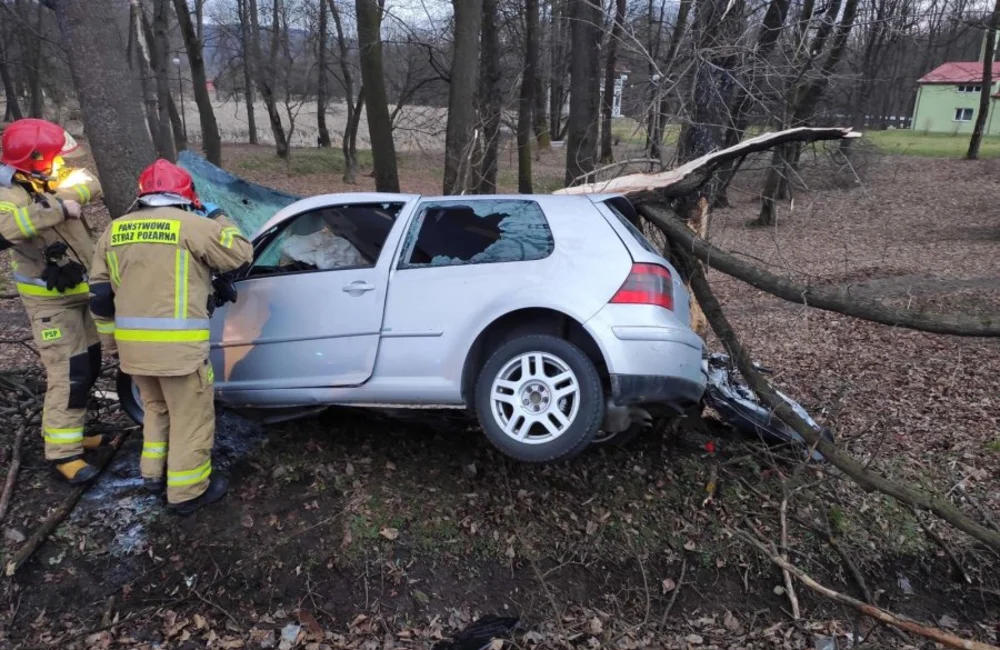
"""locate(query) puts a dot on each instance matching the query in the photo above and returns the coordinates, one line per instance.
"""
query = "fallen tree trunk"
(682, 181)
(850, 466)
(889, 618)
(828, 299)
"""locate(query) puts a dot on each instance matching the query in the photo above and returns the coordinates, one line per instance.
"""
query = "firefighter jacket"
(29, 222)
(151, 281)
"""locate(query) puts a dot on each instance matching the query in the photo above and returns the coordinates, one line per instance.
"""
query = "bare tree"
(107, 91)
(321, 99)
(246, 51)
(369, 15)
(13, 107)
(490, 97)
(156, 64)
(267, 71)
(539, 115)
(350, 141)
(462, 96)
(989, 51)
(559, 28)
(610, 74)
(161, 46)
(139, 53)
(211, 141)
(585, 74)
(526, 104)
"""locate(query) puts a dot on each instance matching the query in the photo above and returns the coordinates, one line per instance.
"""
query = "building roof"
(958, 72)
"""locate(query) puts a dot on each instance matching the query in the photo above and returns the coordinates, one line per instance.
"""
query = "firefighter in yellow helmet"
(40, 221)
(151, 285)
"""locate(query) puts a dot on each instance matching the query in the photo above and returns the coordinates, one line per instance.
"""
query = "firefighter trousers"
(178, 431)
(70, 350)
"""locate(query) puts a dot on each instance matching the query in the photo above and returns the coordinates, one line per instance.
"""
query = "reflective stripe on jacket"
(159, 263)
(31, 222)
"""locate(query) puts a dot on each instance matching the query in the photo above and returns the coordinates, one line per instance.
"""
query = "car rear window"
(636, 233)
(479, 231)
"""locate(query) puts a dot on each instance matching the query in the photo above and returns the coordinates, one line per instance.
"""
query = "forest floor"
(348, 531)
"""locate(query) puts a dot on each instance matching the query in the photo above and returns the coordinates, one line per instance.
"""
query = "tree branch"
(835, 300)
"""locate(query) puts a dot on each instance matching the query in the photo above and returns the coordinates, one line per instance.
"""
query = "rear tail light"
(647, 284)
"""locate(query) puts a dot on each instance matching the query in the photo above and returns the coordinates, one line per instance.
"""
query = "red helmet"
(32, 145)
(164, 177)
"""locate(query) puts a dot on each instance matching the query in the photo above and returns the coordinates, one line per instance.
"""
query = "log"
(682, 181)
(52, 522)
(896, 620)
(15, 466)
(825, 298)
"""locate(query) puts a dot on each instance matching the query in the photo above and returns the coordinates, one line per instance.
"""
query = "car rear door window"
(479, 231)
(635, 232)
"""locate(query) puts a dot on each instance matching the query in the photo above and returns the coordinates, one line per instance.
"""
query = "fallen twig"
(673, 596)
(932, 534)
(15, 466)
(889, 618)
(53, 520)
(793, 599)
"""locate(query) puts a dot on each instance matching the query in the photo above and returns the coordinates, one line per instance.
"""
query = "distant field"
(913, 143)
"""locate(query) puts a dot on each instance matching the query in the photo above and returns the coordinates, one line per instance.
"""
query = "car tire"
(546, 392)
(128, 397)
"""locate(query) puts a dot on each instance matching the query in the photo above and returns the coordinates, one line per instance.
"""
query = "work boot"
(154, 485)
(218, 486)
(75, 470)
(96, 440)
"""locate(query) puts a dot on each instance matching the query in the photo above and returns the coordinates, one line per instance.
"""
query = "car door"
(310, 307)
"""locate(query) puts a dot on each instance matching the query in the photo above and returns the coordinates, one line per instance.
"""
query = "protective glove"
(225, 290)
(61, 276)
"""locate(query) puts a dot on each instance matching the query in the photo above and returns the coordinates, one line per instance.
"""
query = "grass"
(303, 162)
(936, 145)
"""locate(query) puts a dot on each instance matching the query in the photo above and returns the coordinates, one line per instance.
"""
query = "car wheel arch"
(523, 322)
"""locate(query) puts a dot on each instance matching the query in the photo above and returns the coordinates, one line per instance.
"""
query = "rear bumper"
(680, 394)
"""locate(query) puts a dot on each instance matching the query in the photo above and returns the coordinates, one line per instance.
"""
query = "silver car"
(551, 318)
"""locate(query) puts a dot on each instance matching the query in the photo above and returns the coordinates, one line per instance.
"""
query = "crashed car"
(551, 318)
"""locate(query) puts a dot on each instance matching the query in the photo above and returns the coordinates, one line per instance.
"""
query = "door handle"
(359, 287)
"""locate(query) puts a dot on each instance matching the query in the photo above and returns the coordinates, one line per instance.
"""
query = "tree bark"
(164, 140)
(107, 91)
(490, 97)
(989, 52)
(585, 73)
(461, 128)
(372, 77)
(211, 140)
(321, 99)
(266, 73)
(141, 56)
(610, 75)
(351, 138)
(349, 145)
(13, 111)
(246, 51)
(526, 102)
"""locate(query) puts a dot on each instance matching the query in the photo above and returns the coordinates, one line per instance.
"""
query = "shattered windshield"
(478, 231)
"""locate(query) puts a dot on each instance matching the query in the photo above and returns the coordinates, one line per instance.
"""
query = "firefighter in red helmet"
(152, 287)
(41, 223)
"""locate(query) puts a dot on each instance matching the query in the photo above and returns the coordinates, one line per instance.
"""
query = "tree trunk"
(37, 66)
(13, 111)
(526, 103)
(539, 115)
(176, 124)
(324, 132)
(610, 75)
(112, 118)
(161, 44)
(557, 76)
(460, 134)
(585, 74)
(141, 56)
(490, 97)
(29, 56)
(989, 50)
(266, 73)
(372, 77)
(211, 140)
(246, 51)
(349, 145)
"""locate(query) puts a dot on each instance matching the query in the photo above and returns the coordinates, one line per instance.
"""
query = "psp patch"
(51, 334)
(146, 231)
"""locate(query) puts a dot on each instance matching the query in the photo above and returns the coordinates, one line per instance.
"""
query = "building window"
(963, 114)
(970, 89)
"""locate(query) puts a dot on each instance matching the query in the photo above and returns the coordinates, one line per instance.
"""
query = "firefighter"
(51, 246)
(152, 286)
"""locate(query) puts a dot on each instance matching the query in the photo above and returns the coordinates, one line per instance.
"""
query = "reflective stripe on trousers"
(154, 450)
(36, 287)
(64, 436)
(161, 330)
(190, 477)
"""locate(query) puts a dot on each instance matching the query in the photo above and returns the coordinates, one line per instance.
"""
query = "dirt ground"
(349, 531)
